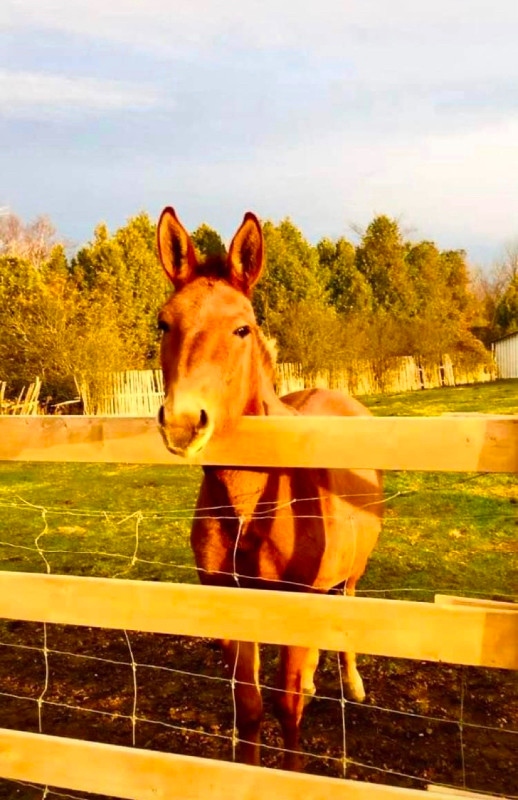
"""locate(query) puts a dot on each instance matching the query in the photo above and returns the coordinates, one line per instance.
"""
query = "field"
(443, 533)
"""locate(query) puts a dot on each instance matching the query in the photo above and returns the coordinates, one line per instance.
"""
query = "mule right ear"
(175, 249)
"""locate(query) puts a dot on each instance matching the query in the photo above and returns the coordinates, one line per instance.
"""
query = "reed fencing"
(403, 374)
(140, 392)
(130, 393)
(454, 630)
(26, 403)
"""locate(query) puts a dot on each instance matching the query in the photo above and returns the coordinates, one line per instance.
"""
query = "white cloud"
(38, 95)
(463, 183)
(329, 111)
(456, 189)
(442, 38)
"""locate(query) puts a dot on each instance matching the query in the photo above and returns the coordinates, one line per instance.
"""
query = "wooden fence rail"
(458, 634)
(482, 443)
(137, 774)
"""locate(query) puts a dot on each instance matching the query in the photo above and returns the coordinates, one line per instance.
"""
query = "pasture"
(452, 534)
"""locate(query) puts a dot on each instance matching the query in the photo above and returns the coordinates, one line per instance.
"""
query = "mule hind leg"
(296, 670)
(353, 683)
(242, 659)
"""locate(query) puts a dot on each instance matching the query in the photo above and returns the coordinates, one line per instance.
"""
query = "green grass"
(443, 532)
(453, 532)
(90, 516)
(498, 397)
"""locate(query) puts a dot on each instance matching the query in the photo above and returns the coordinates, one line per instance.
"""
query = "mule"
(287, 529)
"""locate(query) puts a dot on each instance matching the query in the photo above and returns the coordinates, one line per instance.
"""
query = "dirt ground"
(382, 746)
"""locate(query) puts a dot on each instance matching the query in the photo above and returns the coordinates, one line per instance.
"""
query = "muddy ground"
(380, 743)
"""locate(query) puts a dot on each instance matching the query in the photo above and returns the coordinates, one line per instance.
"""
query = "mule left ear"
(245, 257)
(175, 249)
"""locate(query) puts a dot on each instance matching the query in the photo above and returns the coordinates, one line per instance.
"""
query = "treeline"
(327, 306)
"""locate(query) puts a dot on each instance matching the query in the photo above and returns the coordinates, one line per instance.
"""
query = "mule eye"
(163, 326)
(243, 331)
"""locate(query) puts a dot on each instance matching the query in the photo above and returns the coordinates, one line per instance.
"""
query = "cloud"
(33, 95)
(466, 30)
(457, 188)
(328, 111)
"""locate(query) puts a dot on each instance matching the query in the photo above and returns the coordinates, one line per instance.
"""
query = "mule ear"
(245, 257)
(175, 249)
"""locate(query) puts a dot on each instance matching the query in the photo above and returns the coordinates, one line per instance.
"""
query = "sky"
(329, 111)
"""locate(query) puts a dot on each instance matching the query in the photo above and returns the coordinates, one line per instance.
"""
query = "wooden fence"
(402, 374)
(455, 630)
(139, 393)
(136, 393)
(25, 403)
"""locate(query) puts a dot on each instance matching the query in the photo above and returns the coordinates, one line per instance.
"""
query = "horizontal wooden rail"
(402, 629)
(137, 774)
(453, 600)
(453, 794)
(456, 444)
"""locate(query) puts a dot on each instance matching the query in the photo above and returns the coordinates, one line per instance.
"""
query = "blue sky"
(327, 111)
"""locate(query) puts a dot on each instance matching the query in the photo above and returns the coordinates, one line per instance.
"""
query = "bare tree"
(32, 241)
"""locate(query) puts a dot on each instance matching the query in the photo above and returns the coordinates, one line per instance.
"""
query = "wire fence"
(125, 528)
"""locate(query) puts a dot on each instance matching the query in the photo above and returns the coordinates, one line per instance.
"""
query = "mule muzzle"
(184, 434)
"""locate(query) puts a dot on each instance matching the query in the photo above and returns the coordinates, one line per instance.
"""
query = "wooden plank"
(137, 774)
(412, 443)
(454, 793)
(474, 602)
(396, 628)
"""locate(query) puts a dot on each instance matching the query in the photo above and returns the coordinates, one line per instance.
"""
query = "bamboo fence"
(25, 404)
(139, 393)
(400, 375)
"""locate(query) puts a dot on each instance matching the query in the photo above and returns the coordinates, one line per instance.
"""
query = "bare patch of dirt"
(458, 736)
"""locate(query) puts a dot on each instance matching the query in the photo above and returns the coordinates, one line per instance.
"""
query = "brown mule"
(288, 529)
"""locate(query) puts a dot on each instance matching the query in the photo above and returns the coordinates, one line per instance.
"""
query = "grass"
(87, 518)
(443, 532)
(497, 397)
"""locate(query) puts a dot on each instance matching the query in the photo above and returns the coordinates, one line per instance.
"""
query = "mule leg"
(353, 681)
(297, 668)
(247, 694)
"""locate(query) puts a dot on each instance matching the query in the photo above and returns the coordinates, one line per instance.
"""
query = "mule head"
(210, 340)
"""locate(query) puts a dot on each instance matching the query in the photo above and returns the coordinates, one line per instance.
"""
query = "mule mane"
(266, 355)
(213, 267)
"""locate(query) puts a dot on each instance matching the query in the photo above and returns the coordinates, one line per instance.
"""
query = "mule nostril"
(204, 420)
(161, 417)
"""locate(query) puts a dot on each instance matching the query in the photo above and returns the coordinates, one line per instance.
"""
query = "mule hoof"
(355, 689)
(309, 693)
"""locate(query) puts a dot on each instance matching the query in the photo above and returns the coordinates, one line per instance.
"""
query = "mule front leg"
(242, 660)
(297, 668)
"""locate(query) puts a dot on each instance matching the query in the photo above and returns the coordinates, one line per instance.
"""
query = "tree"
(497, 294)
(310, 335)
(380, 258)
(446, 307)
(32, 242)
(506, 312)
(124, 269)
(349, 290)
(52, 330)
(207, 242)
(291, 274)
